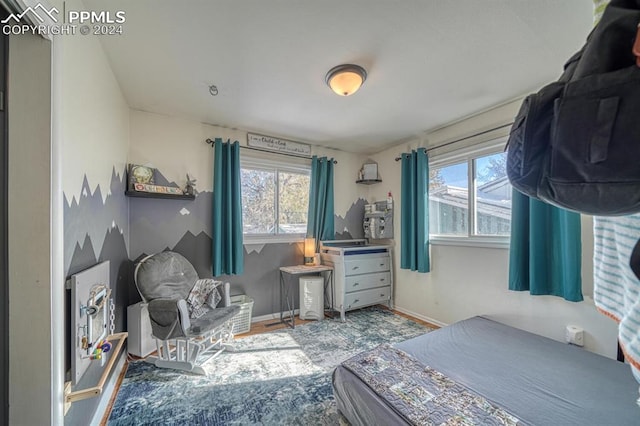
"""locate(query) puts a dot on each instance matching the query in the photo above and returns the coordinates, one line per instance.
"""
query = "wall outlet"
(574, 335)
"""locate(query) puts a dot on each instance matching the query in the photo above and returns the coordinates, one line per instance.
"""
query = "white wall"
(467, 281)
(31, 374)
(95, 114)
(177, 146)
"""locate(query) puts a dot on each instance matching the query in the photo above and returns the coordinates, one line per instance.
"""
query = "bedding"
(420, 394)
(537, 380)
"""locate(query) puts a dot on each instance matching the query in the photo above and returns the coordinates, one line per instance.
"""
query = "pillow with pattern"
(203, 297)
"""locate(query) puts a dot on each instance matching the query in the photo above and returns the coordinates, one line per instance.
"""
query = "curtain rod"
(463, 139)
(212, 142)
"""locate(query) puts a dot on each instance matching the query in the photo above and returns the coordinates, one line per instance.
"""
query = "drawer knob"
(355, 284)
(381, 294)
(356, 301)
(382, 264)
(355, 267)
(381, 279)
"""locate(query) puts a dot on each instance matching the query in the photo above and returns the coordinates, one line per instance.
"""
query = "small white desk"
(286, 295)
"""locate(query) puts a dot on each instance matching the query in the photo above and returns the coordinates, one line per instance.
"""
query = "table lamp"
(309, 251)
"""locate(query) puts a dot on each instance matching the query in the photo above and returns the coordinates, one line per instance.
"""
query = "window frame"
(256, 163)
(468, 155)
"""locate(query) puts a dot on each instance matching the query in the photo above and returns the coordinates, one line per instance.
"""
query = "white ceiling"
(429, 62)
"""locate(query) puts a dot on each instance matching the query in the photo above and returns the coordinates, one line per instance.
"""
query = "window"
(275, 200)
(482, 213)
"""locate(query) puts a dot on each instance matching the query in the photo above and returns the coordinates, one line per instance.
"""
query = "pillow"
(203, 297)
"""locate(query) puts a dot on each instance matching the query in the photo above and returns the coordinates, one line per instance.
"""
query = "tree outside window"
(274, 200)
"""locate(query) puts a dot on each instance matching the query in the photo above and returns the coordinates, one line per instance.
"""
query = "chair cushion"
(166, 275)
(212, 319)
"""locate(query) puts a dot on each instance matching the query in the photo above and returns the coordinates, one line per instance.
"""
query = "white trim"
(270, 164)
(421, 317)
(464, 241)
(274, 316)
(469, 155)
(248, 239)
(57, 298)
(463, 155)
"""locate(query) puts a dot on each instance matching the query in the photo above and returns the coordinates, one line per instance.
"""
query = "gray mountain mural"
(350, 226)
(159, 223)
(90, 215)
(96, 230)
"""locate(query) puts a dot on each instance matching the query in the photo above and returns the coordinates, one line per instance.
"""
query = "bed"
(535, 379)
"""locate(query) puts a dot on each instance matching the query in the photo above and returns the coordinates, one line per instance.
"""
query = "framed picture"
(141, 175)
(370, 171)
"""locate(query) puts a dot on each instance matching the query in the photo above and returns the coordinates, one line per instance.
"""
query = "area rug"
(277, 378)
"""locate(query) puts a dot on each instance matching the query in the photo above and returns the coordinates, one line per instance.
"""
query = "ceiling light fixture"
(346, 79)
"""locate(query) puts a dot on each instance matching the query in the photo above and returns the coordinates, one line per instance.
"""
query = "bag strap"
(636, 47)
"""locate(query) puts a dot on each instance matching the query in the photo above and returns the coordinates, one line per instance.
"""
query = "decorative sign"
(278, 145)
(143, 187)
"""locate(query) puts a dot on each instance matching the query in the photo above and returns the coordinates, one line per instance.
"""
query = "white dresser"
(363, 274)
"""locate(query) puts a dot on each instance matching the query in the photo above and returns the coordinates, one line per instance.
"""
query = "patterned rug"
(277, 378)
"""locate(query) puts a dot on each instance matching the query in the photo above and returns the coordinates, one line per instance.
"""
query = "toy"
(189, 189)
(101, 348)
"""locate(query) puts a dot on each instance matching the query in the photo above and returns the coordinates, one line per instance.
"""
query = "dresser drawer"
(366, 297)
(363, 282)
(366, 266)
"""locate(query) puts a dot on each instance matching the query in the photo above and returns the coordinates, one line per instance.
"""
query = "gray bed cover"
(538, 380)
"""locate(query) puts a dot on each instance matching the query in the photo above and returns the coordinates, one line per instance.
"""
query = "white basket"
(242, 320)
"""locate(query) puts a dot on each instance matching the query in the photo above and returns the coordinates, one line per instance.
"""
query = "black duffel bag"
(576, 142)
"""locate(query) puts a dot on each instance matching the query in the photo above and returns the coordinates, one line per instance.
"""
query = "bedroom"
(107, 111)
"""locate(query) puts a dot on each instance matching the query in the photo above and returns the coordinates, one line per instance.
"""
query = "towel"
(616, 288)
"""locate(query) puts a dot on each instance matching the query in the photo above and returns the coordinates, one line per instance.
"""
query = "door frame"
(4, 220)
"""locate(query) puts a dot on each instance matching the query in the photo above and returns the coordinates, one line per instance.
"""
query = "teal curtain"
(227, 249)
(320, 222)
(414, 210)
(545, 256)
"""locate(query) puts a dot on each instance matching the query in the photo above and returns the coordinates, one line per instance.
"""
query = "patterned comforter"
(422, 395)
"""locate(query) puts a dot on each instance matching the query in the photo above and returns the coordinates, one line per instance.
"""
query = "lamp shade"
(309, 250)
(346, 79)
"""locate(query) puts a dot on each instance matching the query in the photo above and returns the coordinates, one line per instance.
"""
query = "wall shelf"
(368, 181)
(140, 194)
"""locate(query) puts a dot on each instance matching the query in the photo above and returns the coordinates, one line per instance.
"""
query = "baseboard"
(109, 388)
(269, 317)
(276, 316)
(421, 317)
